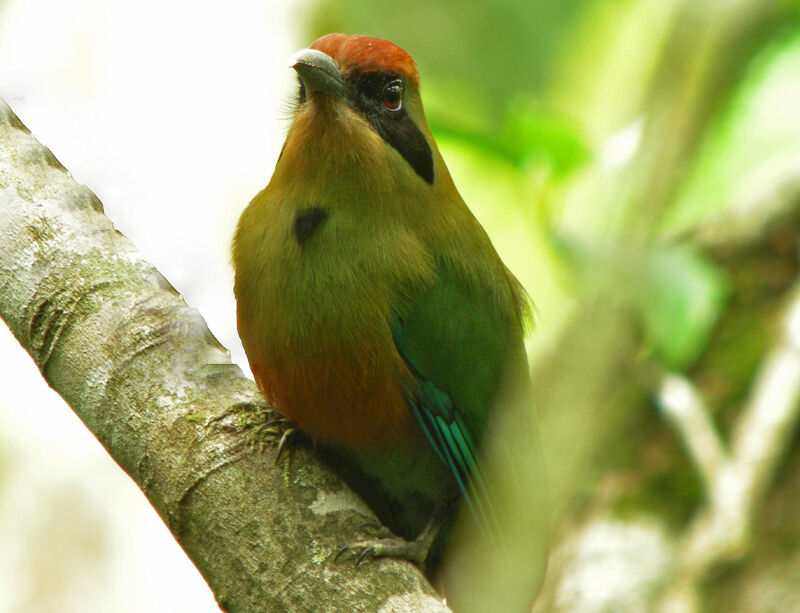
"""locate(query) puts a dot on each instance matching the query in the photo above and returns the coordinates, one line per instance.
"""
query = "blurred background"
(637, 165)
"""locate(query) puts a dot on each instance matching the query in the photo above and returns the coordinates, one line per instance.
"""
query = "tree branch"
(737, 479)
(146, 376)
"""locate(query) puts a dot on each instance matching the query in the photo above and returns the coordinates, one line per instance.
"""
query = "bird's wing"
(458, 340)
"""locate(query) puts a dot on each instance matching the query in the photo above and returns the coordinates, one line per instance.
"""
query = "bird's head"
(359, 99)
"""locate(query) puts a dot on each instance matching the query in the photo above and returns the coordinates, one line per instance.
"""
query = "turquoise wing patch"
(450, 438)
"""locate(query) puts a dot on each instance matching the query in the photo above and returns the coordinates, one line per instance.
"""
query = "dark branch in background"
(145, 375)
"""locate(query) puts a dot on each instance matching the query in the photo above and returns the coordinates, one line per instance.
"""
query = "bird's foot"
(289, 434)
(389, 547)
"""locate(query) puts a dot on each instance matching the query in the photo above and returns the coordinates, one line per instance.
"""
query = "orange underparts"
(339, 400)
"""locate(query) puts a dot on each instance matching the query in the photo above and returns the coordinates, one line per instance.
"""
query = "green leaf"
(538, 135)
(530, 136)
(683, 293)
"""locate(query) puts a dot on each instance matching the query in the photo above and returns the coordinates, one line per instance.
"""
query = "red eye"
(393, 95)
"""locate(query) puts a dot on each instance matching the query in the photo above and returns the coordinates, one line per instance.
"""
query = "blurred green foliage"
(530, 136)
(682, 295)
(754, 141)
(537, 108)
(485, 53)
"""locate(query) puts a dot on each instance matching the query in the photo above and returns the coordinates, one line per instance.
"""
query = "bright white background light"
(173, 113)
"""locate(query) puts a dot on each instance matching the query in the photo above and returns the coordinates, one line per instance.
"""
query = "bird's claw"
(369, 551)
(344, 549)
(371, 526)
(273, 427)
(289, 433)
(361, 550)
(276, 421)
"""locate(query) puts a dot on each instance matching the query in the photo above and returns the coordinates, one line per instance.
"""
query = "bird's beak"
(319, 73)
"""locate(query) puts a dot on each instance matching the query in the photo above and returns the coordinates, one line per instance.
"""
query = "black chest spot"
(307, 222)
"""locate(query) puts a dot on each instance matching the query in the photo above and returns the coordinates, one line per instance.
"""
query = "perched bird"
(375, 312)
